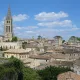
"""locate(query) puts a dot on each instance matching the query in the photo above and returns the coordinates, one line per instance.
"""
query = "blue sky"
(47, 18)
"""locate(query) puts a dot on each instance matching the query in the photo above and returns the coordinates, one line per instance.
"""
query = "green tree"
(30, 74)
(12, 69)
(24, 45)
(39, 37)
(51, 73)
(63, 41)
(14, 39)
(15, 70)
(78, 38)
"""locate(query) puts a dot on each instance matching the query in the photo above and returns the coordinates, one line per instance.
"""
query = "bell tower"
(8, 27)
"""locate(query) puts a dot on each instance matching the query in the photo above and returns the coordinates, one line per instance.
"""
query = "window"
(6, 28)
(70, 54)
(7, 21)
(9, 28)
(20, 56)
(7, 56)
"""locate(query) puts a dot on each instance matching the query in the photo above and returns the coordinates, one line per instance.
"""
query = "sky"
(47, 18)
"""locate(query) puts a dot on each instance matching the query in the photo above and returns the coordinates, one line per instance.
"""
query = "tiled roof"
(68, 76)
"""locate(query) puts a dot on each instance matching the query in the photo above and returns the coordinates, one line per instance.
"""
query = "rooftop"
(16, 51)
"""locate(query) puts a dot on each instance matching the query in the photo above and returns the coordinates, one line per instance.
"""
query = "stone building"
(11, 45)
(58, 40)
(21, 54)
(76, 66)
(8, 27)
(1, 38)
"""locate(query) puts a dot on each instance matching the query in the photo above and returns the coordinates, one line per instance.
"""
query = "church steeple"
(8, 26)
(9, 13)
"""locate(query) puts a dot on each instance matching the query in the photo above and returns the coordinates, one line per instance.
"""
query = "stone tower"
(8, 27)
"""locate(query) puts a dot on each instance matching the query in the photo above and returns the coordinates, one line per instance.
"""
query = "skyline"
(46, 18)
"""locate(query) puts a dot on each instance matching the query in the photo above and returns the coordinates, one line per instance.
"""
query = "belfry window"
(7, 21)
(6, 28)
(9, 28)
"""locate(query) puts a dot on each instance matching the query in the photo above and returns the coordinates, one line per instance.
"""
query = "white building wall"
(11, 45)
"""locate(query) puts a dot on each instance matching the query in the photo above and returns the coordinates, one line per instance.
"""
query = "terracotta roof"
(68, 76)
(39, 57)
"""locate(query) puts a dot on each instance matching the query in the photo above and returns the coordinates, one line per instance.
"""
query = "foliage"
(7, 73)
(17, 65)
(15, 70)
(39, 37)
(30, 74)
(51, 73)
(78, 38)
(24, 45)
(14, 39)
(63, 41)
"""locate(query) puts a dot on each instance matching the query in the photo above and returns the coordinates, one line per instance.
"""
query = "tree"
(30, 74)
(39, 37)
(24, 45)
(14, 39)
(78, 38)
(63, 41)
(51, 73)
(15, 70)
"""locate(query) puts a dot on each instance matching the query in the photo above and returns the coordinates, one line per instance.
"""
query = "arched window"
(9, 28)
(7, 21)
(6, 28)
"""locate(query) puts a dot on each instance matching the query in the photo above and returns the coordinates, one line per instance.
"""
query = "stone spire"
(9, 14)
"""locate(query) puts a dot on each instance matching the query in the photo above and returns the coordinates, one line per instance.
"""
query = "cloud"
(30, 32)
(25, 31)
(44, 16)
(64, 23)
(20, 17)
(25, 27)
